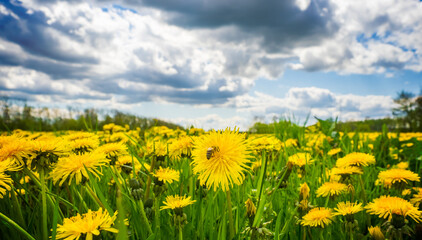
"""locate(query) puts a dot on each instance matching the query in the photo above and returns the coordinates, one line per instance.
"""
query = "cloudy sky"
(213, 63)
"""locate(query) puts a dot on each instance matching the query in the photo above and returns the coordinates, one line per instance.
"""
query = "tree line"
(19, 115)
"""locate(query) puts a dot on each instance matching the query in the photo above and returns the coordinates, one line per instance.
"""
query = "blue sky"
(215, 63)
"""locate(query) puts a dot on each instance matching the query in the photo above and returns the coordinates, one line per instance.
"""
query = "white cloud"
(322, 103)
(213, 121)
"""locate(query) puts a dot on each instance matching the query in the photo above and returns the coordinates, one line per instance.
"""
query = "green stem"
(94, 196)
(17, 206)
(144, 217)
(15, 225)
(321, 234)
(365, 200)
(149, 178)
(44, 205)
(229, 209)
(37, 182)
(180, 232)
(326, 201)
(80, 197)
(157, 214)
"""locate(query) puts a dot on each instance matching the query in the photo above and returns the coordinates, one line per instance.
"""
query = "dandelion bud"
(304, 191)
(376, 233)
(250, 208)
(137, 193)
(134, 183)
(148, 203)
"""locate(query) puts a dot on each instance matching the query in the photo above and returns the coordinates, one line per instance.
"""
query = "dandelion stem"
(180, 232)
(229, 209)
(44, 205)
(144, 217)
(15, 225)
(37, 182)
(149, 178)
(94, 196)
(157, 215)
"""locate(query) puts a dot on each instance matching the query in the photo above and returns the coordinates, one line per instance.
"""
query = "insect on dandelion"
(223, 165)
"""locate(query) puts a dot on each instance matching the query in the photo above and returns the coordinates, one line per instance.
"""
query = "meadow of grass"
(298, 183)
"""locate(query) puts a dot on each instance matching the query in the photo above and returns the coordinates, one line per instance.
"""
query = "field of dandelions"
(159, 183)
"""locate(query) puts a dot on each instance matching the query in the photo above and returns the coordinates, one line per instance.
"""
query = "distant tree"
(408, 111)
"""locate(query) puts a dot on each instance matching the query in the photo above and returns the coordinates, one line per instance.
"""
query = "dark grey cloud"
(281, 24)
(31, 32)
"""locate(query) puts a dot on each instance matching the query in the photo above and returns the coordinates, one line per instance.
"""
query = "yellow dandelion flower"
(265, 142)
(5, 180)
(290, 143)
(177, 202)
(113, 149)
(345, 171)
(417, 197)
(347, 208)
(86, 225)
(386, 206)
(317, 217)
(182, 147)
(331, 189)
(82, 145)
(334, 151)
(126, 162)
(397, 175)
(50, 149)
(157, 147)
(304, 191)
(79, 135)
(355, 159)
(15, 149)
(196, 131)
(301, 159)
(376, 233)
(167, 175)
(402, 165)
(76, 166)
(406, 192)
(220, 157)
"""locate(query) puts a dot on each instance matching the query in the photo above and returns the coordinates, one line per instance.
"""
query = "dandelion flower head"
(331, 189)
(76, 166)
(356, 159)
(317, 217)
(397, 175)
(167, 175)
(301, 159)
(386, 206)
(347, 208)
(87, 225)
(177, 202)
(220, 157)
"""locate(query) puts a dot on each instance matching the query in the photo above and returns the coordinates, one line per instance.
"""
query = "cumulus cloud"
(206, 53)
(318, 102)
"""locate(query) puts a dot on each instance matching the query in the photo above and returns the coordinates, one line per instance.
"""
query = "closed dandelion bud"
(304, 191)
(137, 193)
(250, 208)
(376, 233)
(148, 203)
(134, 183)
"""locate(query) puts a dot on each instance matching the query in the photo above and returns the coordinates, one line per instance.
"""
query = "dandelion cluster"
(124, 181)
